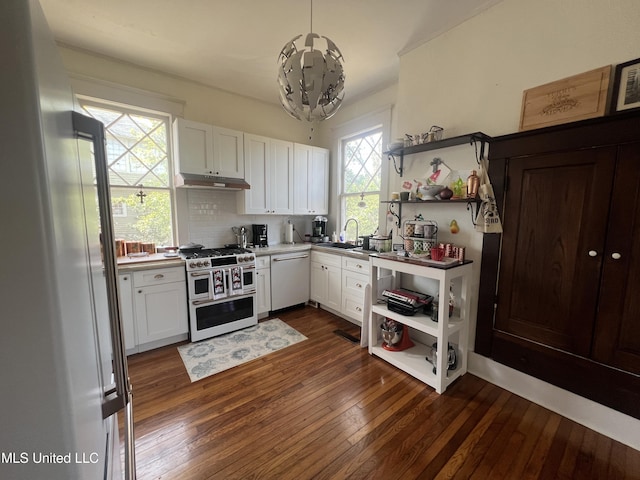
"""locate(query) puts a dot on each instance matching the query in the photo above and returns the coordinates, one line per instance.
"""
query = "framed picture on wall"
(626, 87)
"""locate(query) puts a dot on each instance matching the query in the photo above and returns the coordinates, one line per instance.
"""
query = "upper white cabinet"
(310, 180)
(204, 149)
(269, 171)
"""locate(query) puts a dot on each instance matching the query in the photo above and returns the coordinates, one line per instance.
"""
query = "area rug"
(204, 358)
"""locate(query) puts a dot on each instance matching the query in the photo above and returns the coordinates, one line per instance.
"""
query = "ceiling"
(234, 44)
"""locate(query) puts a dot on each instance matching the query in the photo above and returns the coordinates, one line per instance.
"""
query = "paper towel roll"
(288, 233)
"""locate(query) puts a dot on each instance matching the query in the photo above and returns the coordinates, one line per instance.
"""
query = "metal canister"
(418, 230)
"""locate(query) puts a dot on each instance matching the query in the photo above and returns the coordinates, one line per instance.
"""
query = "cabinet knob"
(593, 253)
(139, 291)
(158, 276)
(359, 285)
(616, 256)
(358, 309)
(125, 278)
(358, 265)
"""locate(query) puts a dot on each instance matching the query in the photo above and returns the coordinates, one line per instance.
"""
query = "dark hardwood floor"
(325, 409)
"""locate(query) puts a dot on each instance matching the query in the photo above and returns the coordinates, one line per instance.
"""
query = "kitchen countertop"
(287, 248)
(280, 248)
(156, 260)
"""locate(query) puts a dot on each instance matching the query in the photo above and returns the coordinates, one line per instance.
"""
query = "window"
(361, 181)
(139, 171)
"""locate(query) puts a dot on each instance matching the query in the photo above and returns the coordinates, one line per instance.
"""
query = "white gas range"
(222, 290)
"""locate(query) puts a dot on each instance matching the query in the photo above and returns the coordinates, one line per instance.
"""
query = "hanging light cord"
(311, 25)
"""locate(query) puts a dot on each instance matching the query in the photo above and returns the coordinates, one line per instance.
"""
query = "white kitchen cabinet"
(204, 149)
(355, 277)
(125, 287)
(326, 280)
(269, 171)
(160, 306)
(311, 180)
(423, 331)
(263, 284)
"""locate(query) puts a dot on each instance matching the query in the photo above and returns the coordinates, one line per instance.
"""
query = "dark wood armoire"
(560, 288)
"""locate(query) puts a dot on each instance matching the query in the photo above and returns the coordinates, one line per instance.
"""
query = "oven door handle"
(200, 274)
(202, 302)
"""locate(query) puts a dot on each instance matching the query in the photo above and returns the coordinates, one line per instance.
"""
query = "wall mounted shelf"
(470, 138)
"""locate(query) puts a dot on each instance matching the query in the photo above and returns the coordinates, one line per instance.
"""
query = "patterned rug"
(217, 354)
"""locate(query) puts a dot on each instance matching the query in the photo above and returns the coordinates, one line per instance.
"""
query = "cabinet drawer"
(263, 261)
(356, 265)
(354, 283)
(158, 276)
(326, 258)
(353, 307)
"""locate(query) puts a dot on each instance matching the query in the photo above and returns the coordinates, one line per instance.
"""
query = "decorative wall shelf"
(470, 138)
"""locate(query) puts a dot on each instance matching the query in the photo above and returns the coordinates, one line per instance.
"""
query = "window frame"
(343, 196)
(168, 119)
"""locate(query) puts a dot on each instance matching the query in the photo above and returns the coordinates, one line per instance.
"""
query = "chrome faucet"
(345, 229)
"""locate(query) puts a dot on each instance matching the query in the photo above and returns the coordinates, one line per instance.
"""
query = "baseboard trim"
(618, 426)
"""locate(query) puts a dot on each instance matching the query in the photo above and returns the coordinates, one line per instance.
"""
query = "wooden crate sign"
(573, 98)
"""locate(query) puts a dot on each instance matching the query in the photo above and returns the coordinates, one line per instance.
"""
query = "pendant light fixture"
(310, 77)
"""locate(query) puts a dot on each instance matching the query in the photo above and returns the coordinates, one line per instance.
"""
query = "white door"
(318, 174)
(161, 311)
(301, 191)
(263, 290)
(228, 152)
(281, 177)
(256, 200)
(194, 147)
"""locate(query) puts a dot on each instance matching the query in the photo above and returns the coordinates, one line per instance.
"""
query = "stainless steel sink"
(345, 246)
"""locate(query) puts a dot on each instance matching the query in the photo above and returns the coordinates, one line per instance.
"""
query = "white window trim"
(377, 119)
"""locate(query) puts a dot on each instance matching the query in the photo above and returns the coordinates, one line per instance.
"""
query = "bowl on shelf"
(429, 192)
(391, 337)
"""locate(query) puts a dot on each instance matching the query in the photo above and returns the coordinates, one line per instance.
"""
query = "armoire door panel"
(617, 339)
(555, 214)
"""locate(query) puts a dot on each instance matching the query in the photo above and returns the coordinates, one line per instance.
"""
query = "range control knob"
(199, 264)
(241, 259)
(251, 257)
(205, 263)
(192, 265)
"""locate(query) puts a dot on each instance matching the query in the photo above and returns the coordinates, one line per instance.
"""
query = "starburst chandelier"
(310, 77)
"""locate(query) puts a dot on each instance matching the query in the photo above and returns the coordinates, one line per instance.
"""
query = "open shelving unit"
(444, 331)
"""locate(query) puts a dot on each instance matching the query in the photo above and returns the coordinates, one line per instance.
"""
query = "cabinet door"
(319, 291)
(263, 290)
(281, 173)
(161, 311)
(334, 287)
(555, 215)
(257, 157)
(125, 291)
(301, 190)
(318, 173)
(228, 152)
(617, 338)
(194, 147)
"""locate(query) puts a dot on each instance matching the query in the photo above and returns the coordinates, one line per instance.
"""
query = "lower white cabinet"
(154, 308)
(326, 279)
(125, 286)
(355, 276)
(263, 284)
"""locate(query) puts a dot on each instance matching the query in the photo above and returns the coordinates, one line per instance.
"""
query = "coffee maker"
(260, 235)
(319, 230)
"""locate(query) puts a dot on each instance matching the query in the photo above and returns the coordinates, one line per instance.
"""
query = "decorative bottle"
(473, 182)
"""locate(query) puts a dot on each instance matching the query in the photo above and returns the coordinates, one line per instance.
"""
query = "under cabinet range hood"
(210, 181)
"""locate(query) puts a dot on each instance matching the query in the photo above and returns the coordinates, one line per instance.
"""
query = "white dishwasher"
(290, 277)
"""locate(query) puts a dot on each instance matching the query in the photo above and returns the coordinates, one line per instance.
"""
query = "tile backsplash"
(212, 213)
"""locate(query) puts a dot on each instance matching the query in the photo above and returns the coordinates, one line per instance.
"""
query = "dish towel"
(236, 280)
(488, 220)
(218, 284)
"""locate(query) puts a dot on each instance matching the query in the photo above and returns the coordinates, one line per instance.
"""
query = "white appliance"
(221, 283)
(64, 372)
(290, 274)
